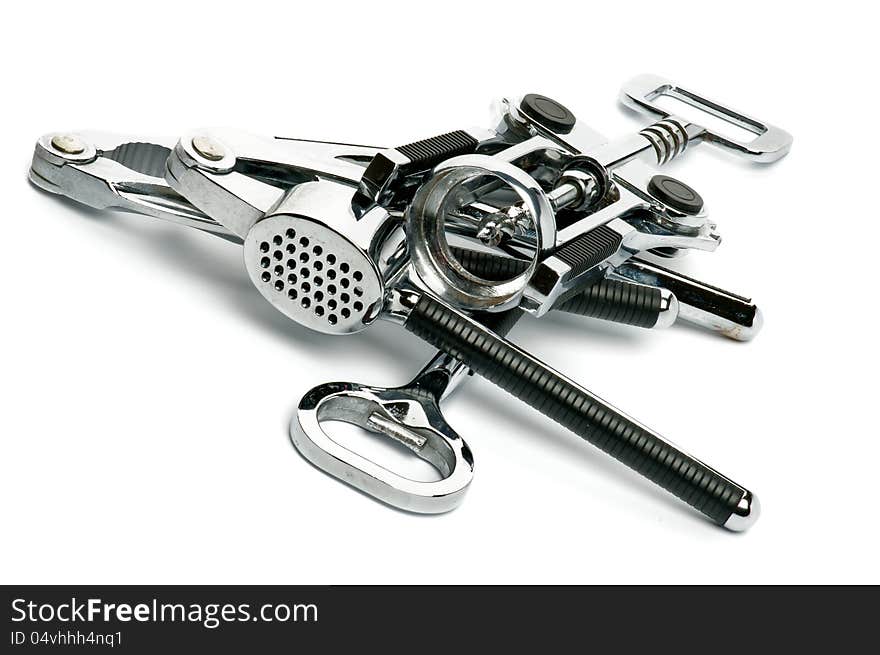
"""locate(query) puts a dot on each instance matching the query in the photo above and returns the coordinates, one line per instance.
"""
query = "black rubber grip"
(427, 153)
(386, 173)
(621, 302)
(609, 300)
(501, 323)
(489, 266)
(591, 249)
(532, 381)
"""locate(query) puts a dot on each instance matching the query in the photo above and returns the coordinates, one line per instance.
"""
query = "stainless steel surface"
(447, 191)
(575, 190)
(208, 148)
(238, 199)
(770, 143)
(644, 222)
(69, 144)
(317, 263)
(411, 416)
(580, 138)
(308, 249)
(313, 274)
(669, 309)
(108, 171)
(699, 303)
(747, 512)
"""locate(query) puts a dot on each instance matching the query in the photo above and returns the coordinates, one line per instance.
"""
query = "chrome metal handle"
(409, 415)
(770, 143)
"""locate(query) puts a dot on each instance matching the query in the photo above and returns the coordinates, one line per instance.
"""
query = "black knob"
(676, 194)
(548, 112)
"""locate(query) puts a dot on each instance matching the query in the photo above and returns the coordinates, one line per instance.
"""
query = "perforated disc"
(313, 274)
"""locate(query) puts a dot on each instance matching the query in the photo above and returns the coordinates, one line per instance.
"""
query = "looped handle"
(409, 415)
(770, 144)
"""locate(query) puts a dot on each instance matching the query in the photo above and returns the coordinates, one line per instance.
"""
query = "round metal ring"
(432, 258)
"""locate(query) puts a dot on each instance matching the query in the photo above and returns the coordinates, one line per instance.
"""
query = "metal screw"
(501, 225)
(515, 220)
(68, 144)
(208, 148)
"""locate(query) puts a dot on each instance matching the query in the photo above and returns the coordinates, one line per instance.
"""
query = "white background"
(146, 386)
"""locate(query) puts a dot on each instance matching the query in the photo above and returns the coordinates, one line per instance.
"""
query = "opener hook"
(409, 415)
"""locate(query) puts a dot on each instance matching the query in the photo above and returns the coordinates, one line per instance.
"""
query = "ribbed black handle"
(621, 302)
(427, 153)
(577, 409)
(609, 300)
(388, 171)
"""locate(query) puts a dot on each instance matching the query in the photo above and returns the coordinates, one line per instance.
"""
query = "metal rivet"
(68, 144)
(208, 148)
